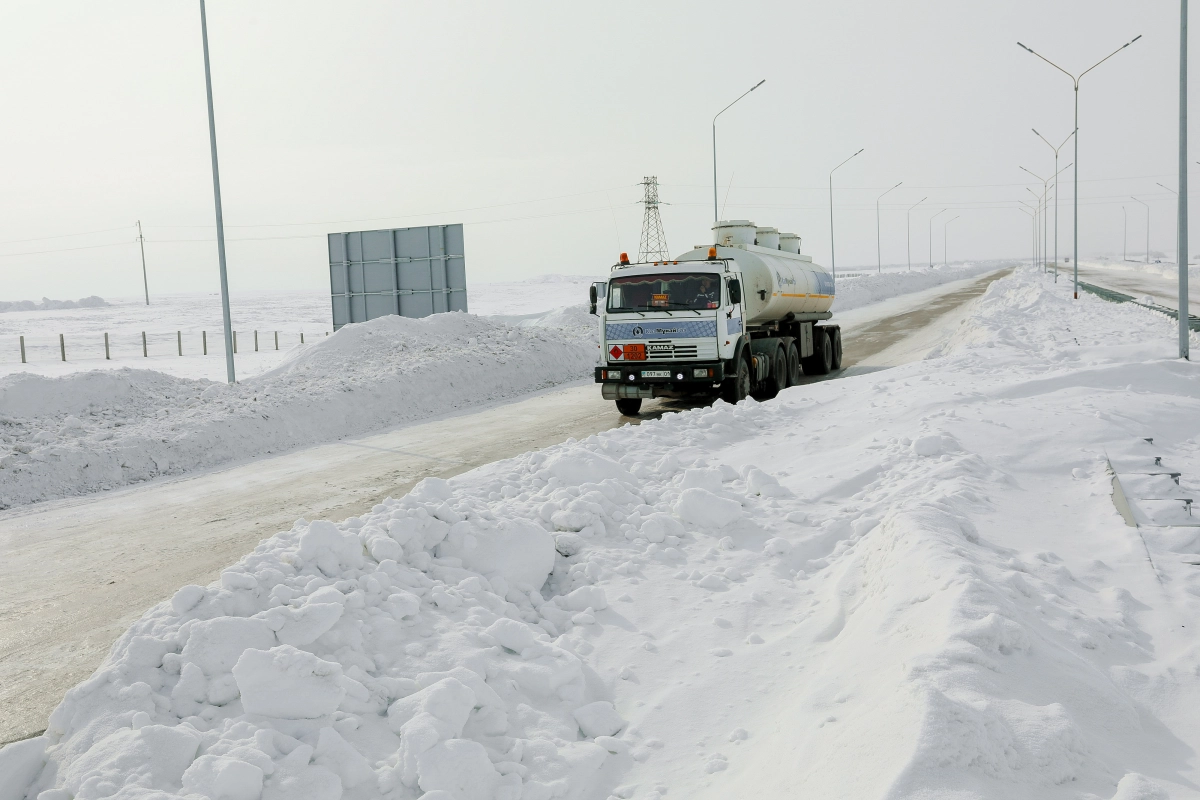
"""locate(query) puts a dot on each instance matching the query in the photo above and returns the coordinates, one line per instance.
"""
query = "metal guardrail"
(1114, 296)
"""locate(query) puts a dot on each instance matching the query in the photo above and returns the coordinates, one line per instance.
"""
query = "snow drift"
(103, 429)
(921, 590)
(47, 304)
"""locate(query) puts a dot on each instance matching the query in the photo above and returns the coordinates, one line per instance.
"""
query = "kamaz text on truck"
(735, 319)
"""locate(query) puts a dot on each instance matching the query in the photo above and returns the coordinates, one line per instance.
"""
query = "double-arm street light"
(908, 228)
(1032, 219)
(716, 217)
(945, 260)
(1056, 171)
(1147, 226)
(878, 251)
(931, 219)
(1075, 80)
(1045, 216)
(832, 251)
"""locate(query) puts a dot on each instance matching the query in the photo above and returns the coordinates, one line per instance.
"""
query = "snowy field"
(92, 429)
(907, 583)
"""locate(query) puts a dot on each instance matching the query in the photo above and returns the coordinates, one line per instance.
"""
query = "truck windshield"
(672, 291)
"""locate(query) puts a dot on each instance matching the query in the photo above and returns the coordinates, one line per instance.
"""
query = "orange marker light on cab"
(624, 258)
(712, 253)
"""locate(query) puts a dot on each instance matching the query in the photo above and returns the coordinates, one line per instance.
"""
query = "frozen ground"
(98, 429)
(908, 583)
(1159, 282)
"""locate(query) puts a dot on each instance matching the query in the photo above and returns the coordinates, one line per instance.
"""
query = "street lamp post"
(1124, 235)
(1045, 216)
(1075, 79)
(931, 219)
(1056, 171)
(1042, 215)
(1172, 191)
(1033, 219)
(212, 140)
(1147, 227)
(1181, 249)
(832, 251)
(945, 260)
(716, 217)
(908, 224)
(878, 251)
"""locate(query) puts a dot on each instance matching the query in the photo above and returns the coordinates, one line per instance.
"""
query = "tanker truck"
(733, 319)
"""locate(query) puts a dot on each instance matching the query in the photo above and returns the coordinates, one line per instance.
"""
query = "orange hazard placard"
(635, 352)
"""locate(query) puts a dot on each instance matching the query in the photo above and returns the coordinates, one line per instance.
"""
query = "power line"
(64, 236)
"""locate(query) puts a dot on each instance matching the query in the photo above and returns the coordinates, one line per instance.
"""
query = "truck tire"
(821, 361)
(737, 388)
(793, 365)
(629, 406)
(836, 361)
(776, 381)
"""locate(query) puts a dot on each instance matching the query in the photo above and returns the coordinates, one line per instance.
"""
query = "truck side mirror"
(735, 291)
(593, 296)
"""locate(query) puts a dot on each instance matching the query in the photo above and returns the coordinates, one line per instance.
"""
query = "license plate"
(656, 373)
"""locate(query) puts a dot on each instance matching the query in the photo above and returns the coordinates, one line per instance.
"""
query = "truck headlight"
(701, 373)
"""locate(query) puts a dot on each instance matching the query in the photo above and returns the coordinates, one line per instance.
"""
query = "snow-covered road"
(118, 553)
(904, 583)
(1163, 288)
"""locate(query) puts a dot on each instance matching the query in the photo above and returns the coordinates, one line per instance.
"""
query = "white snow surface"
(871, 288)
(106, 428)
(920, 588)
(92, 301)
(99, 429)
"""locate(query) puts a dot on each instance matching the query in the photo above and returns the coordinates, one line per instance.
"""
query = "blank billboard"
(413, 272)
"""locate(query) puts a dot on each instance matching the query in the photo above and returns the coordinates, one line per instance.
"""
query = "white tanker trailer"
(733, 319)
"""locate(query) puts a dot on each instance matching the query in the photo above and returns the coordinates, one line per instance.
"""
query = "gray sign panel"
(413, 272)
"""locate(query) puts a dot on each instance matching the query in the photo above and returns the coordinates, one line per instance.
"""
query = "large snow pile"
(910, 583)
(52, 305)
(866, 289)
(101, 429)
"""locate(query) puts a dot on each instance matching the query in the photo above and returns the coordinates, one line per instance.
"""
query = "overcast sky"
(533, 123)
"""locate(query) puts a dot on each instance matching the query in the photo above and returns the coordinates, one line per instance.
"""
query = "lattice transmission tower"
(653, 246)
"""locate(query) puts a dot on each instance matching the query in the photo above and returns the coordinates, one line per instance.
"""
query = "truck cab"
(677, 329)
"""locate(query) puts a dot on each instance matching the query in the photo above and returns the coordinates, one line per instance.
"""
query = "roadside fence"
(128, 345)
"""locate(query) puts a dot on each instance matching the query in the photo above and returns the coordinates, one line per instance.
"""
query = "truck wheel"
(736, 389)
(793, 365)
(777, 380)
(836, 361)
(821, 361)
(629, 406)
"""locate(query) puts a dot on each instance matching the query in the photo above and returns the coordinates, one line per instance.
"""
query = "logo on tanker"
(637, 331)
(782, 280)
(665, 330)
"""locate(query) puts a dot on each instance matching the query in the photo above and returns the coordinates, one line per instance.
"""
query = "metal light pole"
(1056, 171)
(1045, 216)
(1172, 191)
(908, 224)
(1147, 227)
(1124, 235)
(832, 251)
(142, 245)
(878, 252)
(716, 217)
(1075, 80)
(1033, 219)
(945, 261)
(212, 139)
(1182, 221)
(931, 219)
(1042, 216)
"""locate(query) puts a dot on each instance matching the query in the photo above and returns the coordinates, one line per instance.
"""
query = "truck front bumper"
(648, 379)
